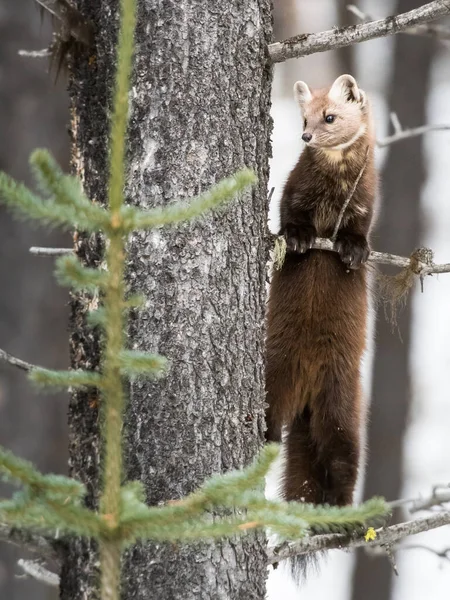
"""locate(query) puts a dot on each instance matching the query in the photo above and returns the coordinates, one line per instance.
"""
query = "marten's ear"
(346, 89)
(302, 93)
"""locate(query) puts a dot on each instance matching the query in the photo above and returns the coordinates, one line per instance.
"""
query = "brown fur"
(318, 301)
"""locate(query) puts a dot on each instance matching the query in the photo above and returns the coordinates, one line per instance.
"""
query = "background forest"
(405, 380)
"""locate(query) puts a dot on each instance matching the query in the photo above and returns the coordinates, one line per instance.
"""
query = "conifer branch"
(28, 205)
(64, 379)
(17, 469)
(185, 211)
(311, 43)
(70, 272)
(114, 305)
(142, 363)
(384, 536)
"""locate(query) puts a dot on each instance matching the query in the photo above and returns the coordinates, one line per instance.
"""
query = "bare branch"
(38, 251)
(385, 536)
(440, 553)
(440, 495)
(384, 258)
(310, 43)
(36, 53)
(395, 122)
(16, 362)
(409, 133)
(37, 544)
(435, 31)
(37, 571)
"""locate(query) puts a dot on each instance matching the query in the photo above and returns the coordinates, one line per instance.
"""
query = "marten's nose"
(306, 137)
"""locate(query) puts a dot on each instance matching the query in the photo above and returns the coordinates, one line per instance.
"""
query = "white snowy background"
(427, 443)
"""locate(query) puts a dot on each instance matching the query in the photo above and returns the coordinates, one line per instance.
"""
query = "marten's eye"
(304, 123)
(330, 118)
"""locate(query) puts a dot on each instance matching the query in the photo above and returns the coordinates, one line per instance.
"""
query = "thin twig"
(38, 572)
(435, 31)
(409, 133)
(310, 43)
(440, 553)
(38, 251)
(440, 494)
(36, 53)
(349, 197)
(384, 258)
(32, 542)
(16, 362)
(385, 536)
(395, 122)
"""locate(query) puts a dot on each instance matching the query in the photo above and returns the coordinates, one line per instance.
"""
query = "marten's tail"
(322, 454)
(323, 445)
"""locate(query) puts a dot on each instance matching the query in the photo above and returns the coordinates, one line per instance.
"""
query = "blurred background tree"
(34, 314)
(399, 230)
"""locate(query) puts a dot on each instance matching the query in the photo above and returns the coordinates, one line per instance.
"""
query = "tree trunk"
(346, 55)
(200, 111)
(398, 231)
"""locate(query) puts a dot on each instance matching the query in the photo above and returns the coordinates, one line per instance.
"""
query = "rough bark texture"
(32, 306)
(200, 111)
(398, 231)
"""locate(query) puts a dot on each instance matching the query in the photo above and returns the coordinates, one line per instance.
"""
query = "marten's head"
(334, 118)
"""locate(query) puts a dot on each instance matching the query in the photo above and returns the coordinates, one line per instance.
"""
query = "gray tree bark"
(200, 111)
(399, 231)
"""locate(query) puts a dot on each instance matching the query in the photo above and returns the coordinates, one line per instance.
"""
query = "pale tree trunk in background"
(345, 56)
(200, 111)
(398, 231)
(33, 321)
(285, 25)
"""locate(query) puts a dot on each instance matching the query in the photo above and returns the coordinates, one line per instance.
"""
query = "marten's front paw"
(300, 238)
(353, 249)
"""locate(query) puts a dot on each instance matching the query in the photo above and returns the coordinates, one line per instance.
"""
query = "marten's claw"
(353, 250)
(300, 238)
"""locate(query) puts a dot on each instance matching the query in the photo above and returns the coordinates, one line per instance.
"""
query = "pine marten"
(318, 302)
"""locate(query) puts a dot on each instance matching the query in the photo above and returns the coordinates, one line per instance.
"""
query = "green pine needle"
(97, 318)
(71, 273)
(65, 379)
(13, 468)
(50, 517)
(23, 202)
(65, 190)
(224, 191)
(142, 363)
(135, 301)
(226, 489)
